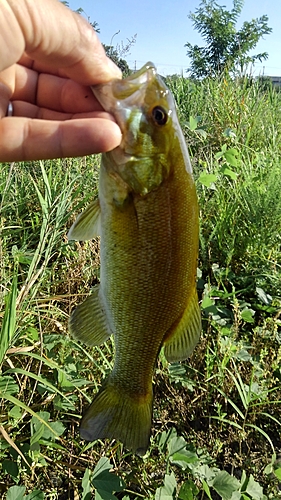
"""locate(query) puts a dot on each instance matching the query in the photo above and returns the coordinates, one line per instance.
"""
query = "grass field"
(217, 417)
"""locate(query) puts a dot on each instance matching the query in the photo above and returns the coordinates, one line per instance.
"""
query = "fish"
(147, 218)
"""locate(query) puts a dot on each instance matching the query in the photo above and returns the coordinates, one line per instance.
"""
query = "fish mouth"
(124, 155)
(119, 97)
(126, 99)
(119, 93)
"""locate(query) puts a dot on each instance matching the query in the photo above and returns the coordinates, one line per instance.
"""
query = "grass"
(217, 417)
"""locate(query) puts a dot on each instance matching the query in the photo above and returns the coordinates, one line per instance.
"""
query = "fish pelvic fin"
(115, 414)
(88, 322)
(182, 339)
(87, 225)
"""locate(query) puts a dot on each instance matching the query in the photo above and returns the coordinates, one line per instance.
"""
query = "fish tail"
(115, 414)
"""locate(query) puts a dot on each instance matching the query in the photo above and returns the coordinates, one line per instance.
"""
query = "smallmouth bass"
(147, 217)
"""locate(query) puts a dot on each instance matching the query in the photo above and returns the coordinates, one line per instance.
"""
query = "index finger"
(50, 32)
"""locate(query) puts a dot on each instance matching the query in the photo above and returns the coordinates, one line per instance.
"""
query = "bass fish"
(147, 218)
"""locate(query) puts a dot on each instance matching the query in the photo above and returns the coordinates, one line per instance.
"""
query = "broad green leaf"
(86, 485)
(264, 297)
(103, 464)
(57, 427)
(236, 495)
(22, 405)
(230, 158)
(202, 132)
(243, 355)
(207, 302)
(233, 151)
(107, 481)
(176, 444)
(104, 495)
(10, 467)
(225, 484)
(193, 123)
(228, 132)
(227, 171)
(188, 490)
(34, 495)
(161, 494)
(64, 381)
(38, 428)
(254, 489)
(167, 492)
(64, 404)
(166, 436)
(247, 315)
(206, 489)
(15, 493)
(204, 472)
(15, 412)
(219, 155)
(270, 467)
(8, 385)
(277, 473)
(184, 458)
(208, 180)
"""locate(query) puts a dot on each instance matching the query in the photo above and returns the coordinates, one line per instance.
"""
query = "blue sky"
(162, 29)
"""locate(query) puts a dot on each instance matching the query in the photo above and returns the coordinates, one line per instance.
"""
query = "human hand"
(49, 57)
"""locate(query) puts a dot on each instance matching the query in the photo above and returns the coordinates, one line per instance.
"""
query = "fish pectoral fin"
(115, 414)
(88, 322)
(87, 225)
(183, 338)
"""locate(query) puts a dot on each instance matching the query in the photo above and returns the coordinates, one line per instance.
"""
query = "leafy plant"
(217, 416)
(226, 48)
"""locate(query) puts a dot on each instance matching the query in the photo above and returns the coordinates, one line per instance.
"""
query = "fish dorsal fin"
(87, 224)
(182, 340)
(88, 322)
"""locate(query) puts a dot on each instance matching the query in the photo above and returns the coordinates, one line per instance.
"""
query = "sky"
(162, 28)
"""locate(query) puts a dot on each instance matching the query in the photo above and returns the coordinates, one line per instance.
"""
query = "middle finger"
(53, 92)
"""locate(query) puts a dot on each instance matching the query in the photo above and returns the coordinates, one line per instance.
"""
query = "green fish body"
(147, 218)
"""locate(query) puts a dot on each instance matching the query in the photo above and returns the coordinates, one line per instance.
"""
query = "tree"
(118, 53)
(225, 46)
(113, 54)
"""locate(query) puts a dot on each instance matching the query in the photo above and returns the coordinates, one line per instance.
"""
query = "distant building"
(276, 80)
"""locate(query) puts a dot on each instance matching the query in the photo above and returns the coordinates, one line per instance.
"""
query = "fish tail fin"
(115, 414)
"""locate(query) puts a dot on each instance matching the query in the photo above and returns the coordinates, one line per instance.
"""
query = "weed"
(217, 417)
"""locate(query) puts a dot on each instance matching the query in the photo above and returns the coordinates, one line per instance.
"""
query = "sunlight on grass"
(217, 416)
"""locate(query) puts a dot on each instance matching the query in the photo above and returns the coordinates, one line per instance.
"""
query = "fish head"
(145, 111)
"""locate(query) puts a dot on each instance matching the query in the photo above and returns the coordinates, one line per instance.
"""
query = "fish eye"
(159, 115)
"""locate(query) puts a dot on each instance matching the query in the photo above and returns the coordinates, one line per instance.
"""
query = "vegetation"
(118, 53)
(226, 47)
(217, 418)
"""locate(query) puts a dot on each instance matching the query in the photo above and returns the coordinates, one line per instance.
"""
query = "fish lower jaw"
(124, 154)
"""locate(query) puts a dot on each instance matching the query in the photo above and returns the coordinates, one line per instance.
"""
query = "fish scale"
(147, 218)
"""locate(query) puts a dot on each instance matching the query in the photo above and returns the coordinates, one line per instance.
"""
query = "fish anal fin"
(182, 339)
(115, 414)
(88, 322)
(87, 225)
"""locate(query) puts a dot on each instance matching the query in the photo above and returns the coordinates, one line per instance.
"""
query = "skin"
(47, 64)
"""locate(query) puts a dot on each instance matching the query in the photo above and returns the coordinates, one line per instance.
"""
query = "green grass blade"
(9, 319)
